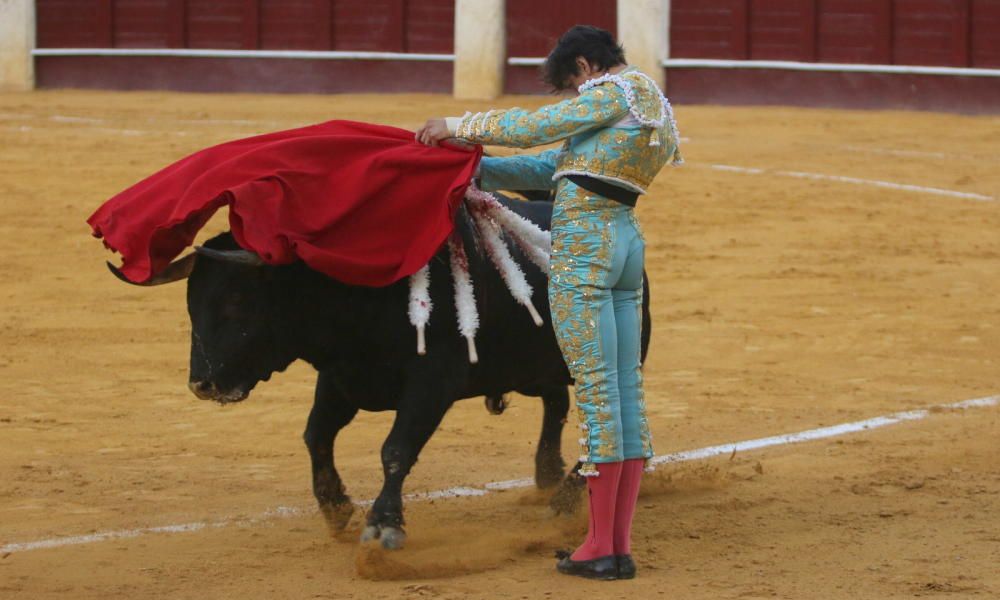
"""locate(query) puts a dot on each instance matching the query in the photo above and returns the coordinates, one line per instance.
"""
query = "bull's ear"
(240, 257)
(175, 271)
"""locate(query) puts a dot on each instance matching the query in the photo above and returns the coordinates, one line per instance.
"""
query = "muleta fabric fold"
(365, 204)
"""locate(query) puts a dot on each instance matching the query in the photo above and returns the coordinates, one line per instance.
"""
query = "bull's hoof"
(337, 515)
(393, 538)
(369, 533)
(390, 538)
(568, 496)
(549, 472)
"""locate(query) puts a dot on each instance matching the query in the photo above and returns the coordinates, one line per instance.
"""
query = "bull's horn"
(175, 271)
(240, 257)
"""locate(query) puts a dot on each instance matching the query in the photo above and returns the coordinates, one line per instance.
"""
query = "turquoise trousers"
(595, 295)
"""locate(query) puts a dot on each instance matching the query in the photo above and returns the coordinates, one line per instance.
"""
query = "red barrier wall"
(954, 33)
(406, 26)
(376, 25)
(741, 87)
(849, 31)
(278, 75)
(948, 33)
(533, 27)
(713, 29)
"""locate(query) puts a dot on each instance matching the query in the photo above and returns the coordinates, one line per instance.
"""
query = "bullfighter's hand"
(433, 132)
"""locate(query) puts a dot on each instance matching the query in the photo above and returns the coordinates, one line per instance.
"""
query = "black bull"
(251, 320)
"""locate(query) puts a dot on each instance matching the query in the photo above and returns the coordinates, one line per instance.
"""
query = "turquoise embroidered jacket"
(619, 129)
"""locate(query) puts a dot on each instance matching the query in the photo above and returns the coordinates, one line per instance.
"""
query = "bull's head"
(234, 333)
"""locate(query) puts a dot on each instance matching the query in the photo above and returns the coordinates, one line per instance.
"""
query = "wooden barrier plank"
(984, 33)
(533, 27)
(177, 24)
(215, 24)
(782, 30)
(251, 24)
(430, 26)
(931, 32)
(105, 26)
(709, 29)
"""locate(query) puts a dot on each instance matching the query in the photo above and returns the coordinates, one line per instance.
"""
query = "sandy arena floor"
(781, 303)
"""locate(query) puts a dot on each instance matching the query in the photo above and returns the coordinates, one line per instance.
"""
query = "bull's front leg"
(331, 412)
(427, 398)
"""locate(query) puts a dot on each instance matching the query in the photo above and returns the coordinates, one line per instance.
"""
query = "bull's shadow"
(250, 320)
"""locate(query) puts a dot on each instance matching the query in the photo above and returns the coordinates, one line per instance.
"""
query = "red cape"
(363, 203)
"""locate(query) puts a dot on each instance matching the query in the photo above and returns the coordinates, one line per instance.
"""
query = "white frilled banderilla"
(493, 220)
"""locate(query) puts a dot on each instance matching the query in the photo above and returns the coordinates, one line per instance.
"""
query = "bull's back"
(514, 353)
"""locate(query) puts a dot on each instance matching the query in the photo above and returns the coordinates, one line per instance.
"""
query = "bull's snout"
(208, 391)
(204, 390)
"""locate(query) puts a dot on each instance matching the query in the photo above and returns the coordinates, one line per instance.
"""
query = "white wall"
(480, 48)
(480, 42)
(17, 40)
(643, 28)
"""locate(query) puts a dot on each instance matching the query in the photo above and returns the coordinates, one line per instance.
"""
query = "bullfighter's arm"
(520, 172)
(521, 128)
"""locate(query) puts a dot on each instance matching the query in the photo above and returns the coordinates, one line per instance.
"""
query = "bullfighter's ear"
(240, 257)
(175, 271)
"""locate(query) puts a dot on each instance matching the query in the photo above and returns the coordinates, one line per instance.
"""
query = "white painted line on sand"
(227, 122)
(731, 168)
(71, 119)
(459, 492)
(857, 181)
(823, 432)
(887, 184)
(104, 130)
(920, 153)
(75, 119)
(281, 511)
(892, 151)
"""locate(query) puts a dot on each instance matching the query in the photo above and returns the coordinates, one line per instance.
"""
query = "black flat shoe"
(604, 568)
(626, 566)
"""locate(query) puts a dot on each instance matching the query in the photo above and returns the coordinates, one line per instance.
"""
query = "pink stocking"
(628, 495)
(603, 492)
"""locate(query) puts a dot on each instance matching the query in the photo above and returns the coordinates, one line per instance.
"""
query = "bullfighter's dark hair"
(597, 46)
